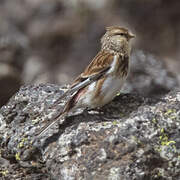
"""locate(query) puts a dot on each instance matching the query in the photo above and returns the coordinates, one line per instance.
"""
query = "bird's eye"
(121, 34)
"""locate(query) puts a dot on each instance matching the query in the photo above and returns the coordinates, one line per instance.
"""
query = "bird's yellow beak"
(131, 35)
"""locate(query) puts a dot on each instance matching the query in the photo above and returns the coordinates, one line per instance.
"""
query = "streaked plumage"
(109, 67)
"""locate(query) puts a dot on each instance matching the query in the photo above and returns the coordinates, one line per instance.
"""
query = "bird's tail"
(50, 124)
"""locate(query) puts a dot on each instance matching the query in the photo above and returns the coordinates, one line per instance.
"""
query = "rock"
(149, 76)
(53, 41)
(132, 137)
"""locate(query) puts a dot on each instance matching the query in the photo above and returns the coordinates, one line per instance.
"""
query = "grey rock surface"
(132, 137)
(52, 41)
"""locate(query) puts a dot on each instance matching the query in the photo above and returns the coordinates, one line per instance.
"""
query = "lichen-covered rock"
(130, 138)
(54, 40)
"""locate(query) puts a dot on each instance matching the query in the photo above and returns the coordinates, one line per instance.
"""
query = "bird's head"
(116, 38)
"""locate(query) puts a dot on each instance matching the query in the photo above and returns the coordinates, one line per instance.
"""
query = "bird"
(103, 78)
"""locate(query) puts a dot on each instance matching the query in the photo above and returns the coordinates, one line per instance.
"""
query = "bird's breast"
(101, 92)
(111, 86)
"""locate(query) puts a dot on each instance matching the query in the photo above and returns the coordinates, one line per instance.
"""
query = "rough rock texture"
(51, 41)
(131, 138)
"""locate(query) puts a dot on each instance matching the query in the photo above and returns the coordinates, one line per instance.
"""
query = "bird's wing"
(96, 69)
(99, 65)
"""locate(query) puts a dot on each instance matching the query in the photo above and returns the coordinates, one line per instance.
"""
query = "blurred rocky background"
(52, 41)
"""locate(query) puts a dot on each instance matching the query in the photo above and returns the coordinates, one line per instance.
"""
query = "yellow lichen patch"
(154, 120)
(164, 139)
(17, 156)
(169, 111)
(4, 173)
(162, 130)
(21, 144)
(173, 117)
(115, 123)
(105, 123)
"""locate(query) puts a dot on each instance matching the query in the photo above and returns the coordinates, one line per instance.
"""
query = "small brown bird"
(104, 76)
